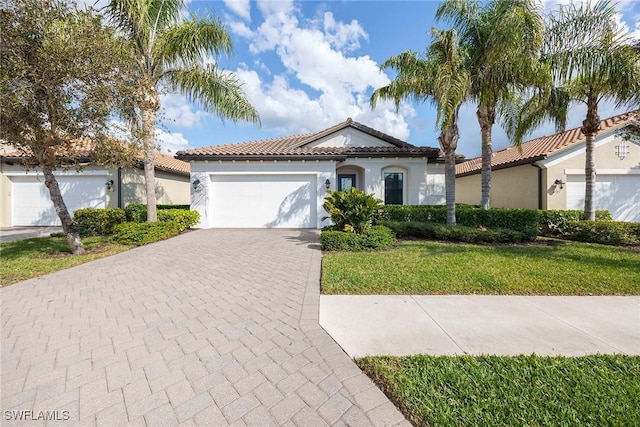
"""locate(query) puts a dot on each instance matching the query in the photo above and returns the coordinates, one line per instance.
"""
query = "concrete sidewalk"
(479, 324)
(11, 234)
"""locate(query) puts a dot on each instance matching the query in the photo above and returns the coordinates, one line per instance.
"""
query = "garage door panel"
(619, 194)
(265, 201)
(32, 205)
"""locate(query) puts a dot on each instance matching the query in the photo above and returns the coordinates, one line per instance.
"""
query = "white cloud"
(322, 84)
(178, 112)
(242, 8)
(171, 142)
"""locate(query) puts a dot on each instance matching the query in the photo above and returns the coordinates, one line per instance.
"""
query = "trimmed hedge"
(142, 233)
(457, 233)
(137, 212)
(525, 221)
(604, 232)
(376, 237)
(184, 218)
(558, 222)
(97, 222)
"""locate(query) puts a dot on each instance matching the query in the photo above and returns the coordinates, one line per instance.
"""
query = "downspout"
(540, 187)
(120, 188)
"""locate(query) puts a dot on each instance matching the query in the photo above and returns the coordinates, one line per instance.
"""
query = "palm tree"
(441, 79)
(503, 39)
(591, 60)
(172, 54)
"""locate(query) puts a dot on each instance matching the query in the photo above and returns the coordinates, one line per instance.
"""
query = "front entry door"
(346, 182)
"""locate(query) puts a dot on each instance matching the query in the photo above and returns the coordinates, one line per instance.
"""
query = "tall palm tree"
(172, 54)
(441, 79)
(503, 39)
(591, 60)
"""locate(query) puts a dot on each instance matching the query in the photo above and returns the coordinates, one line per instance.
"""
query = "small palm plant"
(352, 210)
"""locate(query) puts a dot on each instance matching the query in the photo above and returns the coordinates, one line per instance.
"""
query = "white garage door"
(619, 194)
(263, 201)
(32, 205)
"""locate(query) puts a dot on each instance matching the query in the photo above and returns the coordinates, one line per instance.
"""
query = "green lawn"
(30, 258)
(509, 391)
(548, 267)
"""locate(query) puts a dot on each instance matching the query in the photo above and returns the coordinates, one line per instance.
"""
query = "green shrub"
(376, 237)
(184, 218)
(352, 210)
(142, 233)
(523, 220)
(183, 207)
(604, 232)
(97, 222)
(557, 222)
(456, 233)
(136, 212)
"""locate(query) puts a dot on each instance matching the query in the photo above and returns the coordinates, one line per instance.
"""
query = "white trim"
(604, 171)
(575, 150)
(102, 172)
(310, 173)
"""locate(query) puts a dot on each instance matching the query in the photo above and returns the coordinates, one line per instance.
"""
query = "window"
(345, 182)
(393, 188)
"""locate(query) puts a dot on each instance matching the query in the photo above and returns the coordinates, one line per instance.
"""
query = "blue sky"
(307, 65)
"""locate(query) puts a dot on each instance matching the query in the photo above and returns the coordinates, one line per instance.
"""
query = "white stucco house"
(282, 182)
(25, 200)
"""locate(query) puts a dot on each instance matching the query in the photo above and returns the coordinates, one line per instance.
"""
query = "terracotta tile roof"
(297, 146)
(538, 148)
(84, 150)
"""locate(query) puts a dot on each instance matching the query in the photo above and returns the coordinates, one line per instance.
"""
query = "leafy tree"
(352, 210)
(591, 60)
(503, 39)
(172, 53)
(63, 74)
(441, 79)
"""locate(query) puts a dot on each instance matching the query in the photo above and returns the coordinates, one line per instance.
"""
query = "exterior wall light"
(196, 184)
(559, 183)
(109, 185)
(327, 184)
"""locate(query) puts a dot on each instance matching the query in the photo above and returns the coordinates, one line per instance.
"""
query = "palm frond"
(218, 91)
(190, 42)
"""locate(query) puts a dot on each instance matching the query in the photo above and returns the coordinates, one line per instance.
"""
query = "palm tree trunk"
(450, 184)
(590, 127)
(148, 145)
(50, 181)
(486, 119)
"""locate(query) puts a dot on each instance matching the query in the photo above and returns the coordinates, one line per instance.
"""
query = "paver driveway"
(213, 327)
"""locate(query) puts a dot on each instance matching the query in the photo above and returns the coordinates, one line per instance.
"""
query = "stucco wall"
(515, 187)
(573, 160)
(7, 171)
(468, 189)
(424, 183)
(349, 137)
(170, 188)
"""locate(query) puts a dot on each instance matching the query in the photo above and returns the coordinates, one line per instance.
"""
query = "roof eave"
(528, 160)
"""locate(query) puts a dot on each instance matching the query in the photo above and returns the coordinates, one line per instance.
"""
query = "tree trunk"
(590, 128)
(77, 248)
(149, 148)
(450, 184)
(449, 142)
(486, 119)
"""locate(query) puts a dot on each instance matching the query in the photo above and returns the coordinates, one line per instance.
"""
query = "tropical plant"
(174, 54)
(591, 60)
(63, 75)
(440, 78)
(352, 210)
(503, 39)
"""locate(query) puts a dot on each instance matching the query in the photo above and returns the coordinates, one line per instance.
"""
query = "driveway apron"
(213, 327)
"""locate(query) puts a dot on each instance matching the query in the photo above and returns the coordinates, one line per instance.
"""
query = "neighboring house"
(282, 182)
(549, 172)
(25, 201)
